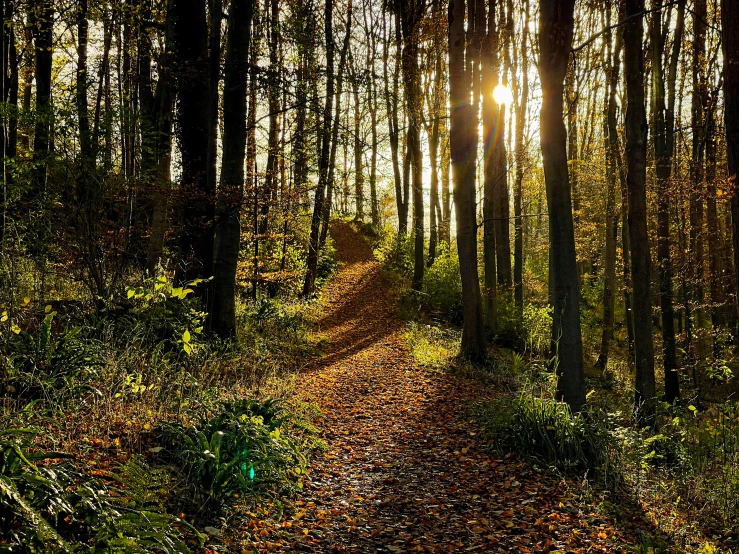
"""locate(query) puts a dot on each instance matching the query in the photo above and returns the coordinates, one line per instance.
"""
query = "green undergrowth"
(131, 429)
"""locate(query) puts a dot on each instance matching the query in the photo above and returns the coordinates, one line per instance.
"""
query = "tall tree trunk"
(555, 38)
(323, 165)
(411, 15)
(335, 130)
(698, 100)
(611, 146)
(663, 148)
(222, 317)
(494, 151)
(274, 79)
(358, 153)
(42, 19)
(636, 150)
(373, 109)
(463, 147)
(157, 103)
(194, 134)
(730, 49)
(251, 145)
(521, 114)
(718, 310)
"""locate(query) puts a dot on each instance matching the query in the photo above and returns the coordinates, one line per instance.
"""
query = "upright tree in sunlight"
(521, 90)
(228, 226)
(636, 177)
(555, 38)
(463, 145)
(611, 147)
(494, 154)
(309, 284)
(411, 13)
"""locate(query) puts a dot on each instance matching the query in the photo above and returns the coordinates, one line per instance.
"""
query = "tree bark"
(555, 38)
(463, 147)
(636, 153)
(323, 166)
(521, 114)
(411, 13)
(222, 317)
(494, 151)
(730, 48)
(194, 134)
(663, 149)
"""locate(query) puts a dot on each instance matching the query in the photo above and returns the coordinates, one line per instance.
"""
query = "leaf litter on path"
(404, 471)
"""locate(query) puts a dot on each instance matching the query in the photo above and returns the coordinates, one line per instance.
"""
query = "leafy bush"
(157, 314)
(395, 252)
(241, 450)
(442, 286)
(546, 430)
(432, 346)
(537, 323)
(328, 263)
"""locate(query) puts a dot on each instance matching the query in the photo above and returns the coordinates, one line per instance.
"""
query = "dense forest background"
(549, 185)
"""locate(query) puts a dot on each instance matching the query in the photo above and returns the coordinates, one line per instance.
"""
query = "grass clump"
(541, 428)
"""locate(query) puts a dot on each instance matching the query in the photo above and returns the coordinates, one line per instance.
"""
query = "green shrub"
(537, 323)
(328, 263)
(547, 431)
(442, 286)
(395, 252)
(241, 450)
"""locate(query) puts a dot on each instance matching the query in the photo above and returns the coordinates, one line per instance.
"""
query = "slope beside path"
(404, 471)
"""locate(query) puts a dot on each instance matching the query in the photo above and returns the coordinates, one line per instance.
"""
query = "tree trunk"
(358, 153)
(611, 145)
(494, 150)
(663, 149)
(636, 150)
(335, 131)
(323, 165)
(274, 80)
(521, 114)
(222, 317)
(42, 21)
(411, 15)
(195, 133)
(555, 38)
(695, 272)
(463, 147)
(730, 48)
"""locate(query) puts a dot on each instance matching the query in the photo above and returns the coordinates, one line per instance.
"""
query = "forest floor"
(404, 469)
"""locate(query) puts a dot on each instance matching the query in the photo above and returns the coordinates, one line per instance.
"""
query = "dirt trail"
(404, 472)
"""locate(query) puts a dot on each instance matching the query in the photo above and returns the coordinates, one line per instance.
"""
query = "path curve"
(404, 472)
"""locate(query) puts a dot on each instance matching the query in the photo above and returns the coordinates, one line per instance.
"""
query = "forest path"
(404, 471)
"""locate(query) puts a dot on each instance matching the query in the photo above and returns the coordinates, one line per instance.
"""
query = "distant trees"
(162, 143)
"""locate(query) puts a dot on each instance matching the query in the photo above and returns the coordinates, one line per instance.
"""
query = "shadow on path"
(404, 471)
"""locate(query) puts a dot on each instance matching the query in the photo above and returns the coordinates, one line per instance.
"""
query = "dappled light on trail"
(404, 470)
